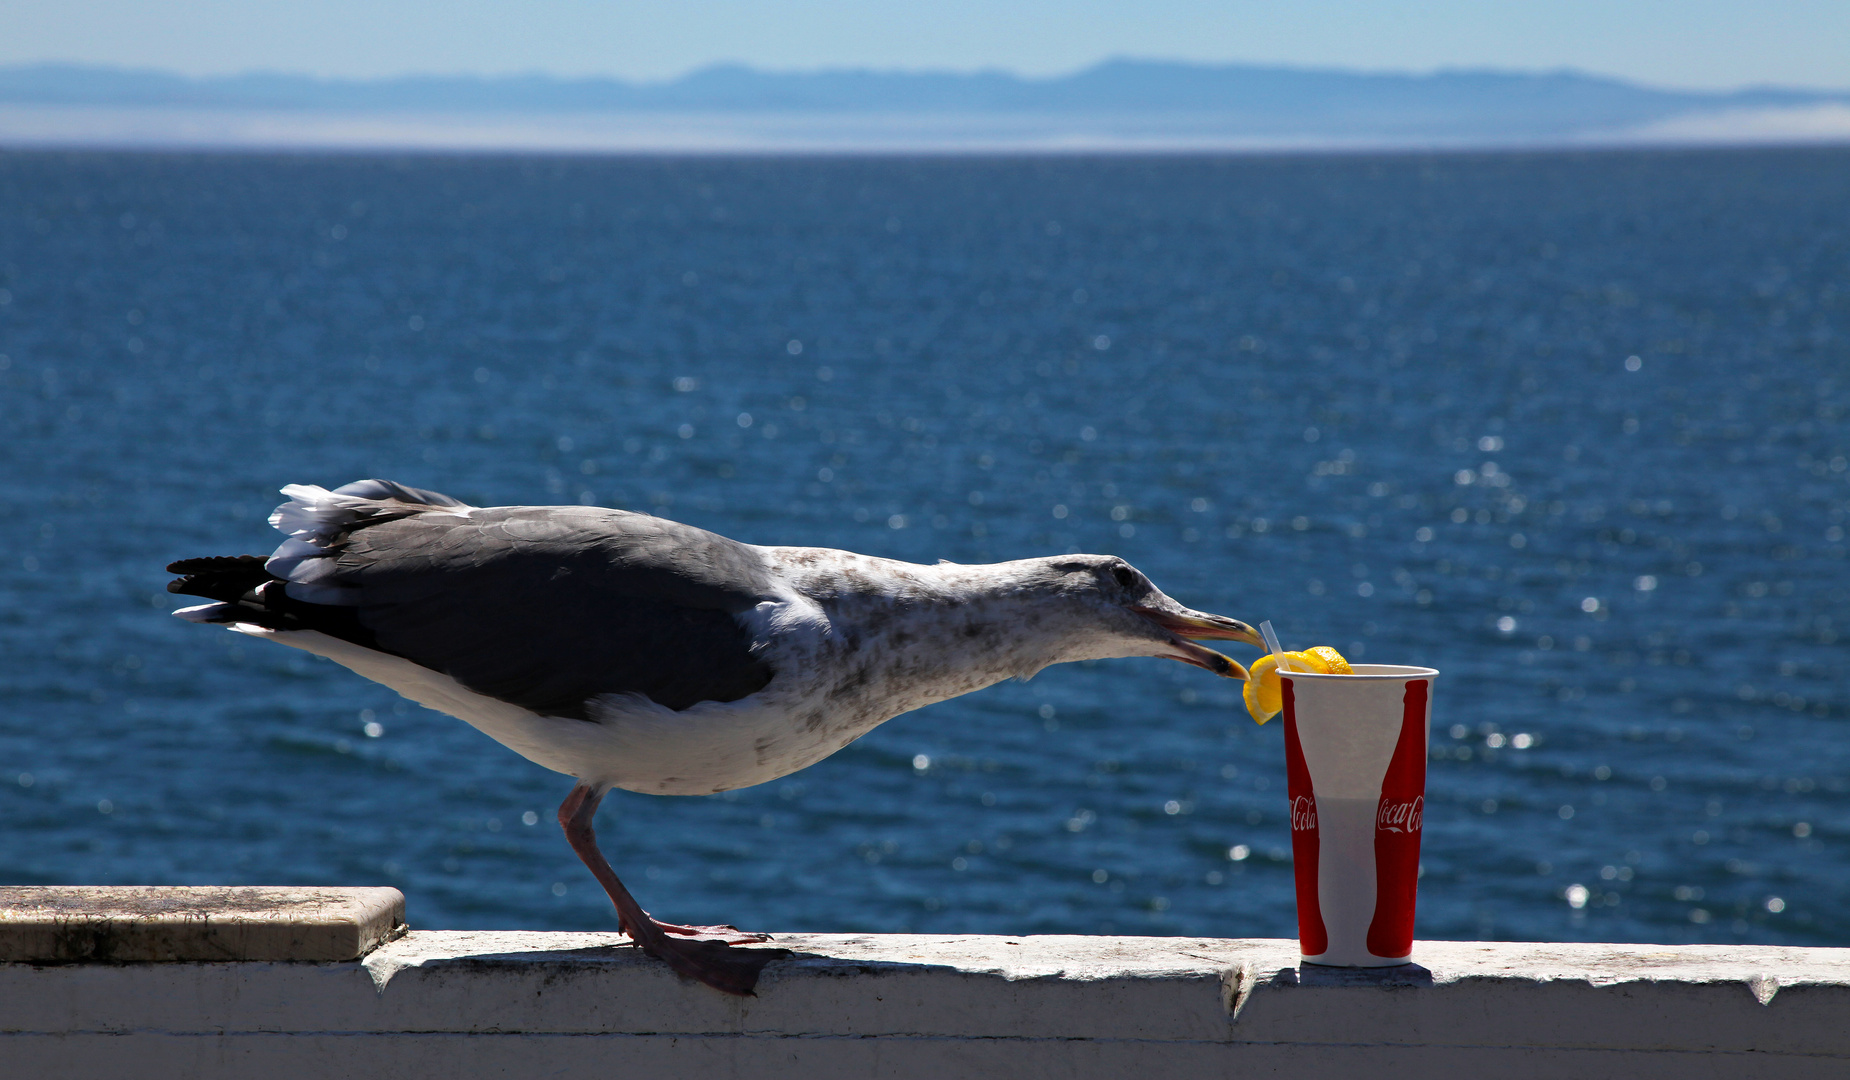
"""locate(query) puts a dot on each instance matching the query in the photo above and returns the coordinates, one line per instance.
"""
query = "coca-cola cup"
(1355, 767)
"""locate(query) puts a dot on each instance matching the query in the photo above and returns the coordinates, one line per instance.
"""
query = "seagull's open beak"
(1185, 624)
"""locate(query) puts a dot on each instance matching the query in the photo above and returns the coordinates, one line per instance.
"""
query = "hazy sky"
(1685, 43)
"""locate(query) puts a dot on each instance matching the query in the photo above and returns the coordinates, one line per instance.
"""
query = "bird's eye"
(1126, 577)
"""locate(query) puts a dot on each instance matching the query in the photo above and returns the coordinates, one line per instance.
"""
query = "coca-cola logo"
(1401, 817)
(1303, 813)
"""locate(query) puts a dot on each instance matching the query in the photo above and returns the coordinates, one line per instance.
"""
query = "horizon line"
(957, 72)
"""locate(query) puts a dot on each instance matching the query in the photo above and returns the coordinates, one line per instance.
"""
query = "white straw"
(1271, 642)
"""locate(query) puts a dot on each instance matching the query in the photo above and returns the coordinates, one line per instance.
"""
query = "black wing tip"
(210, 563)
(217, 577)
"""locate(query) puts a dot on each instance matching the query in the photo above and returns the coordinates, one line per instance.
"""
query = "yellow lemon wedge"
(1264, 699)
(1332, 661)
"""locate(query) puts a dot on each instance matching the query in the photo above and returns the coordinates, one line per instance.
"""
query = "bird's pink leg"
(733, 970)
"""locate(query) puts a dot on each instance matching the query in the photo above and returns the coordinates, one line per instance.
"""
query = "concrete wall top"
(143, 923)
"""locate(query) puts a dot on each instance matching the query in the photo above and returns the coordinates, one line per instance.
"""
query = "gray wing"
(548, 607)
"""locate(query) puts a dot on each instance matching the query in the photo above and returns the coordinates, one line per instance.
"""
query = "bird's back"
(546, 608)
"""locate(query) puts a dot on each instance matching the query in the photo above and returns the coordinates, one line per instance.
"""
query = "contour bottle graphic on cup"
(1355, 765)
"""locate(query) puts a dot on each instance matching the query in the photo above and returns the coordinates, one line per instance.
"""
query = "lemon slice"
(1264, 699)
(1332, 661)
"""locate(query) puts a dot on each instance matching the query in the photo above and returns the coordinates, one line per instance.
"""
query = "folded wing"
(544, 607)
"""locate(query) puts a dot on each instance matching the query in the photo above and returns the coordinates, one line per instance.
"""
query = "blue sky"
(1683, 43)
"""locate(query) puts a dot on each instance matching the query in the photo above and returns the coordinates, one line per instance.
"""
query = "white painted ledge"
(463, 1004)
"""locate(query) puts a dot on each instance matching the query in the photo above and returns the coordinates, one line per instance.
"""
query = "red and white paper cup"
(1355, 767)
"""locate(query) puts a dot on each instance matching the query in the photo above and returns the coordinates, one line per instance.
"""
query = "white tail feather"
(312, 513)
(205, 613)
(314, 517)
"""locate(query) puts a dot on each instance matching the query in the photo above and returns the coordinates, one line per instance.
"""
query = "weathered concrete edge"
(1170, 990)
(149, 924)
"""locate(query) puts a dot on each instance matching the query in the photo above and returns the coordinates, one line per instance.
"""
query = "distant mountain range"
(1233, 100)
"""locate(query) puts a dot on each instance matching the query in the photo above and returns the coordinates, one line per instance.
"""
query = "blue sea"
(1570, 427)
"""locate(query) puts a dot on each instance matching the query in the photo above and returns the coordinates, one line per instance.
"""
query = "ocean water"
(1569, 427)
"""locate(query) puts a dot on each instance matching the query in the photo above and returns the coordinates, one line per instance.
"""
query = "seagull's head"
(1121, 613)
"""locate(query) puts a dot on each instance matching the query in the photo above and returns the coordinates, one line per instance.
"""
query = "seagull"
(629, 651)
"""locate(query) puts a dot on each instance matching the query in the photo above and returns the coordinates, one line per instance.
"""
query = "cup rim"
(1372, 672)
